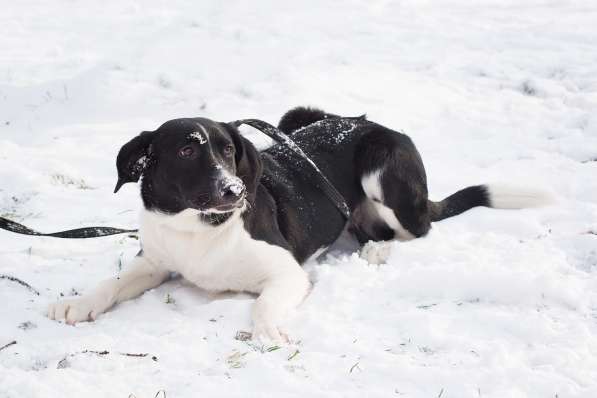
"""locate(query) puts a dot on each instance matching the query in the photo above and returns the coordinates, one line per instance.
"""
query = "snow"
(236, 189)
(198, 136)
(493, 303)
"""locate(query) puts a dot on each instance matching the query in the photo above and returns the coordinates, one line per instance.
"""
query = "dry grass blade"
(294, 354)
(64, 363)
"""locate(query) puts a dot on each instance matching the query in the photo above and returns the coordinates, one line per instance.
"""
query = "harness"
(95, 232)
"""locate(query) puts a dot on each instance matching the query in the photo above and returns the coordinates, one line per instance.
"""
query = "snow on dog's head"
(191, 164)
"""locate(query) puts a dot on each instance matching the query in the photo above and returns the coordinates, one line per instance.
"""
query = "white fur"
(387, 214)
(503, 196)
(372, 186)
(219, 258)
(141, 276)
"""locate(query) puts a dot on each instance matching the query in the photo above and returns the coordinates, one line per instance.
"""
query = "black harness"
(324, 184)
(95, 232)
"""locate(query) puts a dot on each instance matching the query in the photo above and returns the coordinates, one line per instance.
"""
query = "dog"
(230, 218)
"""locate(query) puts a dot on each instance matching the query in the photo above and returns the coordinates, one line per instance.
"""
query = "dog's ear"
(132, 158)
(247, 158)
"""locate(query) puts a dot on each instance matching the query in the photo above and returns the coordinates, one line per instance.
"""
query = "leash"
(79, 233)
(95, 232)
(326, 186)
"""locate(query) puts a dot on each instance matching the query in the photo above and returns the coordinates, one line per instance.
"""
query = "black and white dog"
(230, 218)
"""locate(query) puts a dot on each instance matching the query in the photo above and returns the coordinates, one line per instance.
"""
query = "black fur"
(129, 162)
(403, 182)
(172, 183)
(300, 117)
(284, 207)
(460, 202)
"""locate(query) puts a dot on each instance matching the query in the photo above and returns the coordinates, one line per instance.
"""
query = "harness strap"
(79, 233)
(326, 186)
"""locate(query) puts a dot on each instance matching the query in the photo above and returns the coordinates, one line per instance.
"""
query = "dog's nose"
(232, 190)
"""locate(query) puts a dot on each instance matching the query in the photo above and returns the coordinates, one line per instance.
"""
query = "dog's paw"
(268, 333)
(376, 252)
(76, 310)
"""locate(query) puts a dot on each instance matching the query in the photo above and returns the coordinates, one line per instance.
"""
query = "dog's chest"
(215, 259)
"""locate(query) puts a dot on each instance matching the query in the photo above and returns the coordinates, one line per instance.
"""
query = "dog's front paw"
(267, 332)
(376, 252)
(76, 310)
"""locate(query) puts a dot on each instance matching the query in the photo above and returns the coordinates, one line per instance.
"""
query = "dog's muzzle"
(231, 189)
(231, 193)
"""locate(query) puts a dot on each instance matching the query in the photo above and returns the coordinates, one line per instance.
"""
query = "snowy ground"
(491, 304)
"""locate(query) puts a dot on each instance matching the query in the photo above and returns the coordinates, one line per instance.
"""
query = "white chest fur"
(219, 258)
(214, 258)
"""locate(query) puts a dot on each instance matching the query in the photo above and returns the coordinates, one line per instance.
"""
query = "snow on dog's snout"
(237, 187)
(230, 183)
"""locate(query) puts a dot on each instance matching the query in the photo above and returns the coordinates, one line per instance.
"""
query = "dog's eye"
(186, 152)
(228, 150)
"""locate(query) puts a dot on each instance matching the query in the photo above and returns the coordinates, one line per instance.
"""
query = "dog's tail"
(495, 196)
(302, 116)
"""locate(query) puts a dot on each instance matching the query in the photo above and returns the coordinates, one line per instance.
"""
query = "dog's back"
(379, 172)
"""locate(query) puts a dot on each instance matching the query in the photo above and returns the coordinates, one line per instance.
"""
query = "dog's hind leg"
(141, 276)
(393, 180)
(395, 190)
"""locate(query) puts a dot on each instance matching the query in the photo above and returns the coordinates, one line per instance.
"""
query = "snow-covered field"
(492, 303)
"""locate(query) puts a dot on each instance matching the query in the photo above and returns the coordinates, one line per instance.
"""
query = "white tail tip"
(513, 197)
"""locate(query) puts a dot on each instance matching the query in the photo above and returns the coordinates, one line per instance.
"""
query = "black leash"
(95, 232)
(326, 186)
(79, 233)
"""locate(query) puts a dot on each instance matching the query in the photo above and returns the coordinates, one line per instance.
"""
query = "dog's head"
(191, 164)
